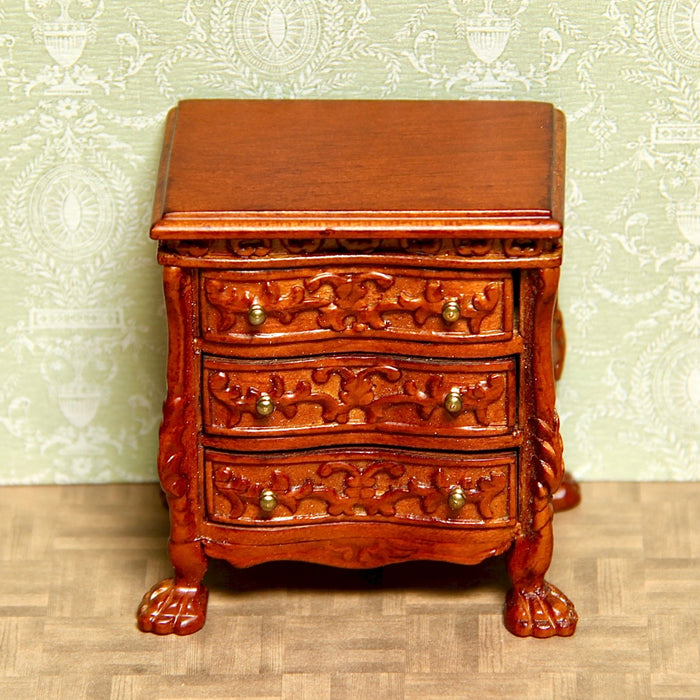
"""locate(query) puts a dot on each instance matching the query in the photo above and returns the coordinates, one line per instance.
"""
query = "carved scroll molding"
(474, 308)
(441, 248)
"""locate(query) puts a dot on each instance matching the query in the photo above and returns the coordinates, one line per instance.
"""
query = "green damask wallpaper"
(84, 89)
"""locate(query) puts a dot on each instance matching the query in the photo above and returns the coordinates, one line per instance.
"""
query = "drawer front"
(360, 486)
(360, 395)
(441, 306)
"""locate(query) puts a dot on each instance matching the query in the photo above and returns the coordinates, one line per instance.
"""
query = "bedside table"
(360, 301)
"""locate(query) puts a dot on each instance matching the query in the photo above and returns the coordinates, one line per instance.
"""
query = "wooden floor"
(75, 561)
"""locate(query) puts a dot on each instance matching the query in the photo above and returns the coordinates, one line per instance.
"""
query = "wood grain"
(75, 558)
(422, 166)
(383, 156)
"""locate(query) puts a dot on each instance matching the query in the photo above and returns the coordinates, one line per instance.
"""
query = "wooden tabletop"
(448, 158)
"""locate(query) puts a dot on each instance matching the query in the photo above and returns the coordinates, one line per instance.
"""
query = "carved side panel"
(359, 487)
(544, 444)
(177, 456)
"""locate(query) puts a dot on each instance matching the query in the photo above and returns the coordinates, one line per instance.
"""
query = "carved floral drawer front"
(309, 304)
(357, 485)
(360, 394)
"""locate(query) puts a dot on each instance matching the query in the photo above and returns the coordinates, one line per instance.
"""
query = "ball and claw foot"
(543, 611)
(171, 608)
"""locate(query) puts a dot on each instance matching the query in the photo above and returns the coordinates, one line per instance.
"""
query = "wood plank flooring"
(75, 561)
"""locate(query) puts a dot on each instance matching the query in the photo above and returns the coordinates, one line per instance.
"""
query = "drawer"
(299, 305)
(358, 395)
(358, 485)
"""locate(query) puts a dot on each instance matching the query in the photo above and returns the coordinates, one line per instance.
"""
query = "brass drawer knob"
(264, 406)
(453, 403)
(456, 498)
(256, 315)
(451, 312)
(268, 501)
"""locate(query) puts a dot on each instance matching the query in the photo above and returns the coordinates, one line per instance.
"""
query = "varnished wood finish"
(354, 399)
(361, 485)
(382, 156)
(535, 607)
(361, 302)
(305, 304)
(494, 250)
(178, 604)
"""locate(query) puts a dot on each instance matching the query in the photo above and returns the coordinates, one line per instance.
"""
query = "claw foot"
(171, 608)
(543, 611)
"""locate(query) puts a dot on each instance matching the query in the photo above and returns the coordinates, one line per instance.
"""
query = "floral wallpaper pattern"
(84, 89)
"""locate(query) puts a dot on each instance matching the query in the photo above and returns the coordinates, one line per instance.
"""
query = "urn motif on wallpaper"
(488, 31)
(65, 36)
(683, 195)
(66, 28)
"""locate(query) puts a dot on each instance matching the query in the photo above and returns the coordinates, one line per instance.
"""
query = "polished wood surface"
(305, 304)
(355, 399)
(382, 155)
(245, 166)
(367, 485)
(429, 327)
(75, 559)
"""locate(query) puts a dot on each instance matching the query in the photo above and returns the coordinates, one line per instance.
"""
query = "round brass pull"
(453, 403)
(264, 406)
(451, 312)
(256, 315)
(268, 501)
(456, 498)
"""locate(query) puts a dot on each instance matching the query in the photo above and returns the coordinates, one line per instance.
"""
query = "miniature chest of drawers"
(360, 301)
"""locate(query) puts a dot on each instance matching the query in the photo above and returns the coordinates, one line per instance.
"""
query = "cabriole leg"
(178, 605)
(534, 607)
